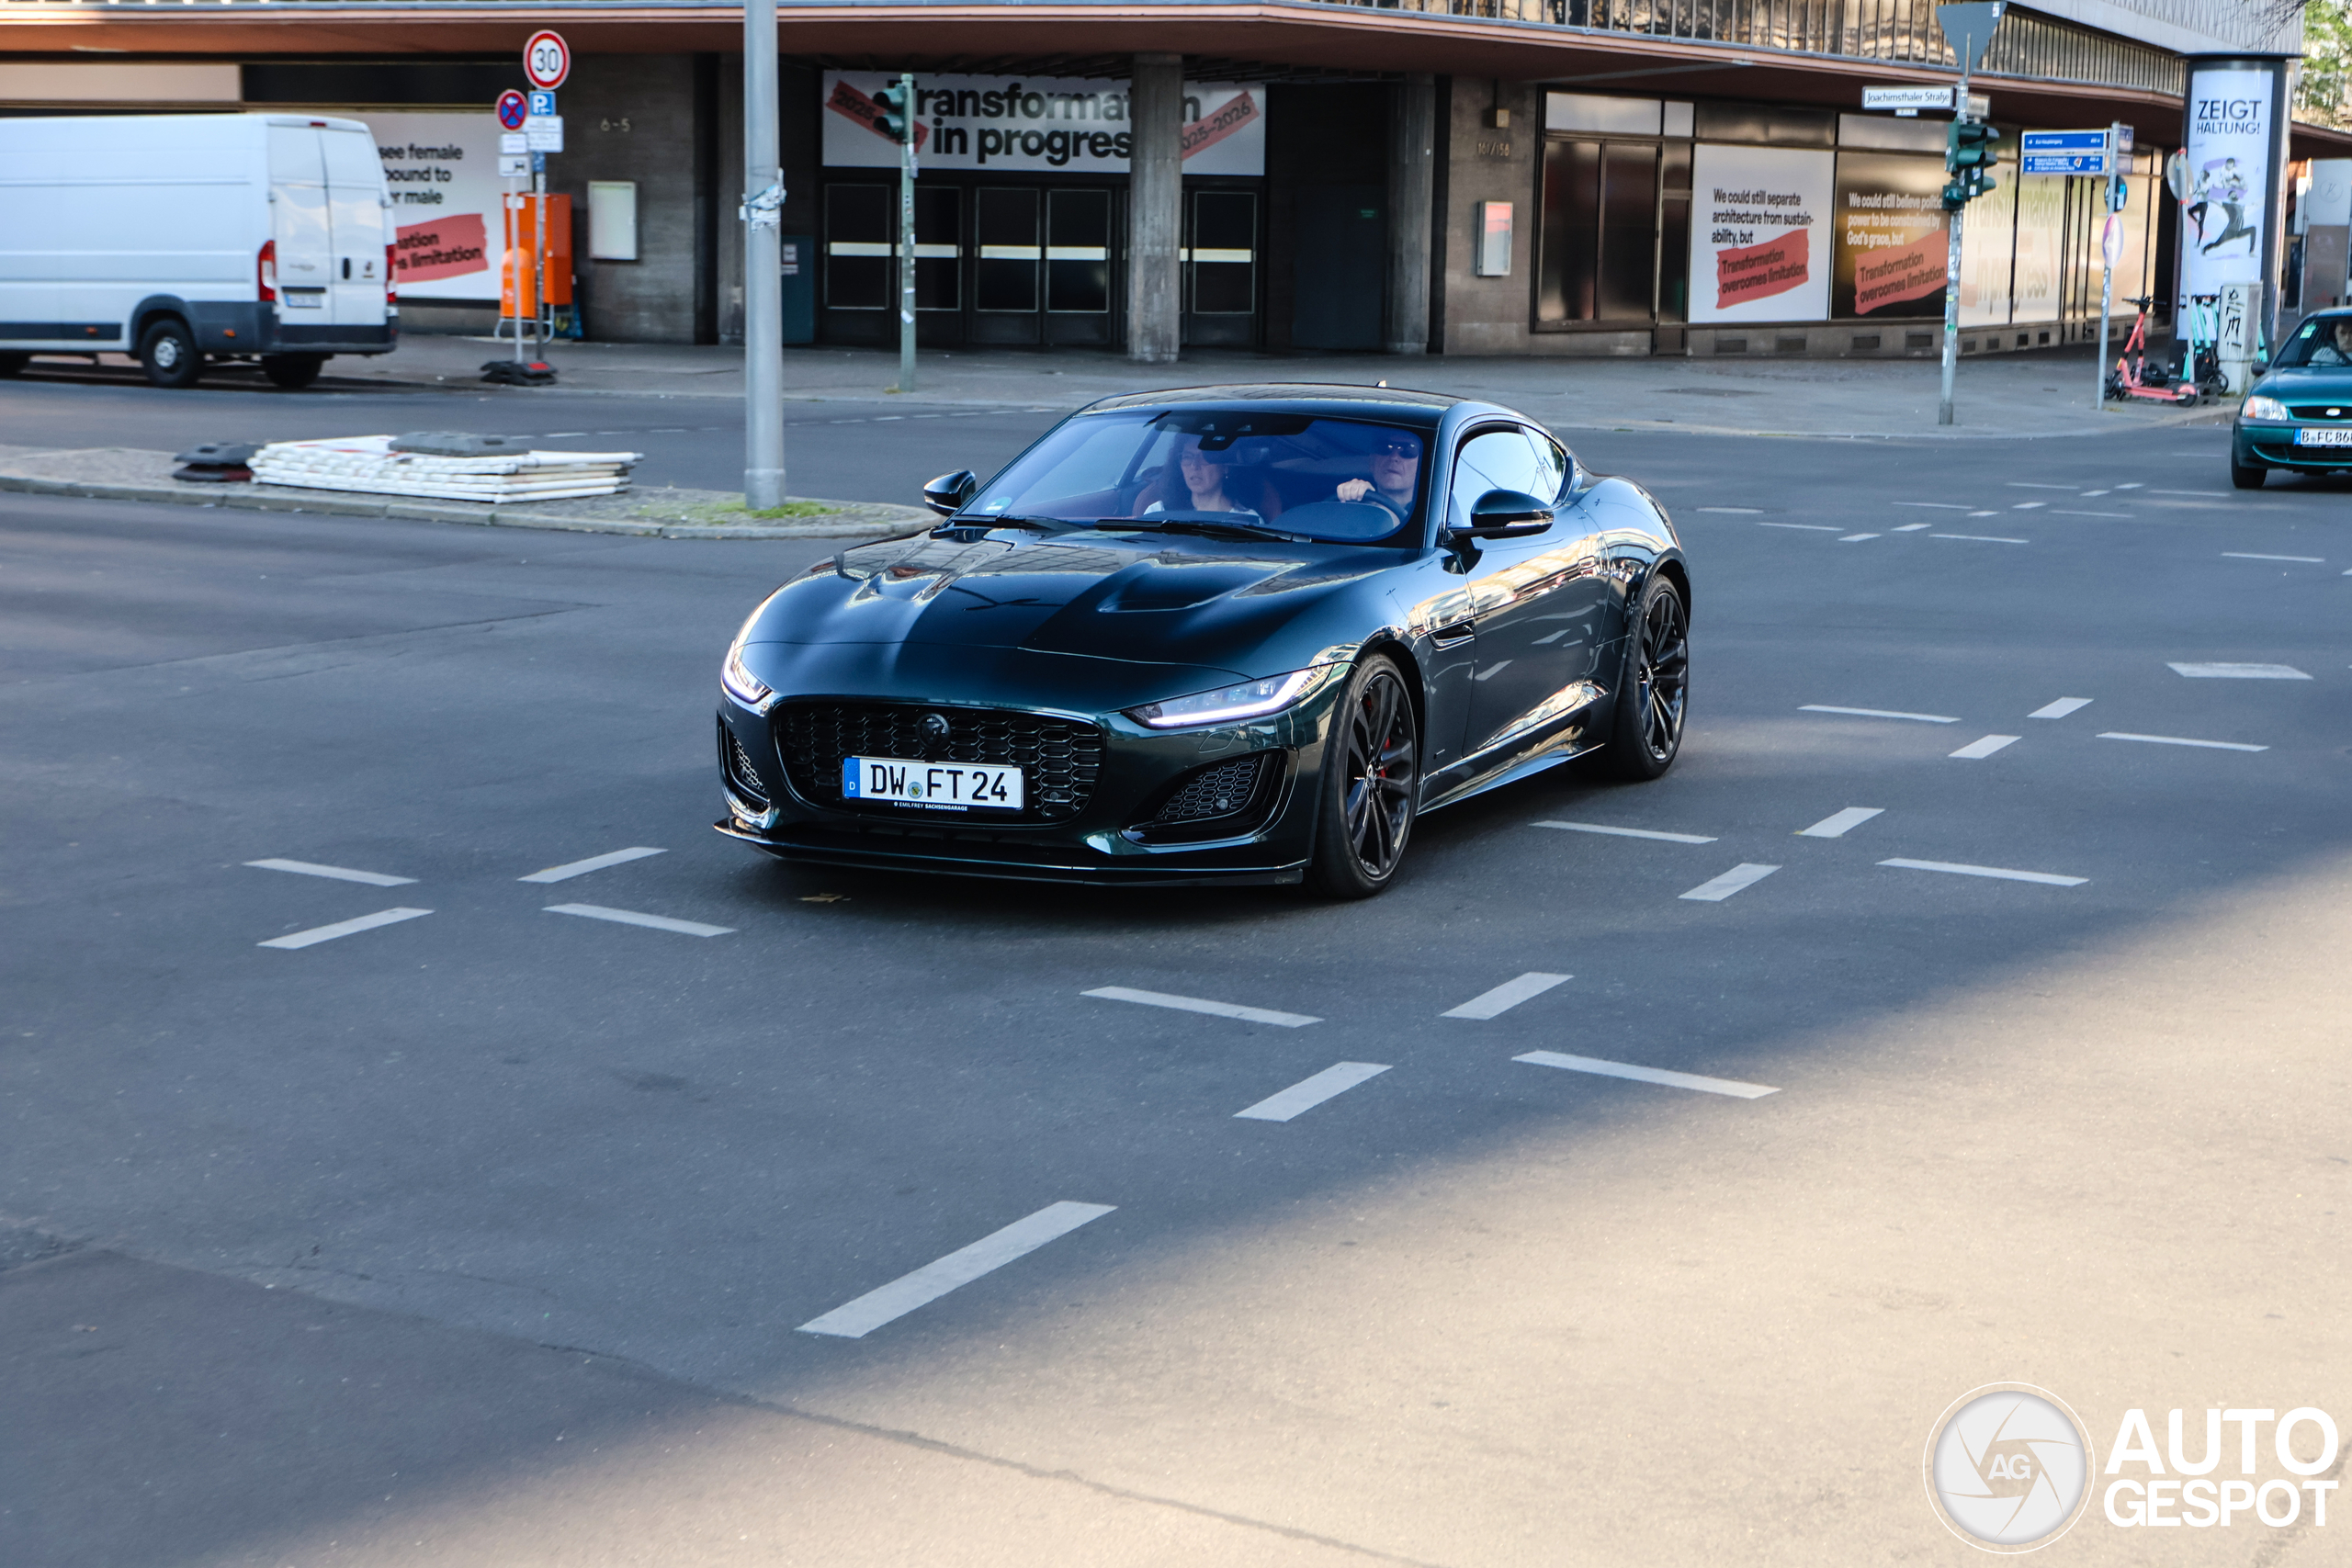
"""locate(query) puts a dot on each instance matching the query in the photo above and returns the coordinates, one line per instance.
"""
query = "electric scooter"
(2135, 375)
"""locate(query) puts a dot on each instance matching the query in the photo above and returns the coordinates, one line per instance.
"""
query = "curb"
(332, 504)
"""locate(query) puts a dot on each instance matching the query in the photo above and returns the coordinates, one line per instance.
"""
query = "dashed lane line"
(1594, 1064)
(1733, 511)
(1982, 538)
(2028, 505)
(2030, 484)
(2060, 708)
(1308, 1093)
(318, 934)
(632, 917)
(2208, 494)
(857, 1319)
(570, 869)
(1854, 539)
(1716, 889)
(1932, 505)
(2000, 874)
(339, 872)
(1627, 833)
(1507, 996)
(1199, 1004)
(1878, 713)
(2249, 555)
(1839, 824)
(1977, 749)
(1808, 528)
(2238, 672)
(2064, 512)
(1910, 527)
(2181, 741)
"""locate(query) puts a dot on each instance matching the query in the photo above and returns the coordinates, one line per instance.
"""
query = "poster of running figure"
(2230, 176)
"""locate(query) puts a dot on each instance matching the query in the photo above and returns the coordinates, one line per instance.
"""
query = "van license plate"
(941, 786)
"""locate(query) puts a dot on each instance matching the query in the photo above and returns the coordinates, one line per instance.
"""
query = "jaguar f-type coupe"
(1230, 633)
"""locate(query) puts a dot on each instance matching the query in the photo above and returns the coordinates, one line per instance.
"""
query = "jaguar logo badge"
(934, 726)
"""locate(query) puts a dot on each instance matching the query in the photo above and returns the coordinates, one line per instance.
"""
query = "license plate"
(2340, 437)
(306, 301)
(941, 786)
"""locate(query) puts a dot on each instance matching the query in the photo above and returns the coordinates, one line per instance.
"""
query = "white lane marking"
(1982, 538)
(1308, 1093)
(1543, 641)
(2060, 708)
(1839, 824)
(1983, 514)
(2135, 484)
(1734, 511)
(2238, 672)
(1485, 674)
(2181, 741)
(1809, 527)
(1716, 889)
(2028, 505)
(1646, 1075)
(631, 918)
(2063, 511)
(1507, 996)
(340, 872)
(1195, 1004)
(317, 934)
(2028, 484)
(1627, 833)
(1854, 539)
(2089, 493)
(1878, 713)
(2249, 555)
(1932, 505)
(1984, 747)
(562, 434)
(1910, 527)
(1992, 871)
(855, 1320)
(2211, 494)
(570, 869)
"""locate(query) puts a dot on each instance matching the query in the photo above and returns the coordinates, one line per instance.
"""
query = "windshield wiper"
(1205, 530)
(1038, 524)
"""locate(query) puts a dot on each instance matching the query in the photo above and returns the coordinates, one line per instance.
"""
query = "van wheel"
(292, 371)
(169, 355)
(12, 363)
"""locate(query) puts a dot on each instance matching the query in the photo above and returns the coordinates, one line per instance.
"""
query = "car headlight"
(740, 684)
(1250, 699)
(2264, 408)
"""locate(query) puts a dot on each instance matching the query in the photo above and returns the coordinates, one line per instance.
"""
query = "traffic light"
(1969, 156)
(897, 104)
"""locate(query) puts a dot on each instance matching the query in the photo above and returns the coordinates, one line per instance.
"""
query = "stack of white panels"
(369, 464)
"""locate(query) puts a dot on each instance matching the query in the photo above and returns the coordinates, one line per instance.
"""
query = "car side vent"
(1213, 792)
(741, 777)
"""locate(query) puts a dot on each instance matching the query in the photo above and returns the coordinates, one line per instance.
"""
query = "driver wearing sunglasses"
(1395, 470)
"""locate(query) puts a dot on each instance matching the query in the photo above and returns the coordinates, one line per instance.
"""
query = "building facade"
(1559, 177)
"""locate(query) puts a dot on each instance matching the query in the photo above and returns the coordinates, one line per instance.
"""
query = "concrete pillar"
(1412, 187)
(1155, 209)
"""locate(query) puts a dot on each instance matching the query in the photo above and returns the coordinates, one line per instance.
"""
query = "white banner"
(442, 172)
(1049, 123)
(2229, 179)
(1760, 234)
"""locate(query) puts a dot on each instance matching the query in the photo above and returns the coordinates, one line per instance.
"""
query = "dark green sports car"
(2299, 415)
(1230, 633)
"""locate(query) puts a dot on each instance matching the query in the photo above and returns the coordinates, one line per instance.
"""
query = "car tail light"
(391, 288)
(266, 271)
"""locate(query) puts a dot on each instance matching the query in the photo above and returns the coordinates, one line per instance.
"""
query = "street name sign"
(1907, 101)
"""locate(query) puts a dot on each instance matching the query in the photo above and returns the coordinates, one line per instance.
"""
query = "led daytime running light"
(740, 684)
(1250, 699)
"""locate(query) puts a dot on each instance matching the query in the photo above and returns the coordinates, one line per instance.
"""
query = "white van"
(188, 239)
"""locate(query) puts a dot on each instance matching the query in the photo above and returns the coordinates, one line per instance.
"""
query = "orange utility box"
(517, 292)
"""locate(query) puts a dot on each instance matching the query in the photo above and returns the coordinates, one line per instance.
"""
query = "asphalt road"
(489, 1235)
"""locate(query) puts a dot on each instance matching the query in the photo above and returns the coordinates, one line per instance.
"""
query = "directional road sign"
(512, 110)
(2063, 152)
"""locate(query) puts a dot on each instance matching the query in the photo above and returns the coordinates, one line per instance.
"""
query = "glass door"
(1008, 264)
(1077, 266)
(1601, 232)
(859, 271)
(1221, 268)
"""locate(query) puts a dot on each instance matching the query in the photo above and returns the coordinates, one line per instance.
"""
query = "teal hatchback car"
(2299, 417)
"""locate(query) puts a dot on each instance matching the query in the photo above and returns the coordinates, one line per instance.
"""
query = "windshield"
(1338, 479)
(2324, 343)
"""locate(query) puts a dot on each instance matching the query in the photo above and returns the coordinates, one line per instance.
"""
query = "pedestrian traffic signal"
(1969, 156)
(897, 104)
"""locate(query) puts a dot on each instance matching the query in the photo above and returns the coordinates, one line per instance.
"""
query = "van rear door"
(355, 204)
(298, 226)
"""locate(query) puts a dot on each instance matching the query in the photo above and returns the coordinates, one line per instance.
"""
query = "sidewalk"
(2036, 394)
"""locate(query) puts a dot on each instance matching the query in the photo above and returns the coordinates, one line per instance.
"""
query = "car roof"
(1334, 400)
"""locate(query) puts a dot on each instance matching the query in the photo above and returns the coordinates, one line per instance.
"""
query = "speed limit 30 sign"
(546, 61)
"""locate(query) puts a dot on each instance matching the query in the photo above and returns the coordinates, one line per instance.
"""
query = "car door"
(355, 227)
(1536, 601)
(299, 227)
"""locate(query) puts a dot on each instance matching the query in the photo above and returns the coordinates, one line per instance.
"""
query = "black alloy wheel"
(1655, 689)
(169, 353)
(12, 362)
(1372, 784)
(292, 371)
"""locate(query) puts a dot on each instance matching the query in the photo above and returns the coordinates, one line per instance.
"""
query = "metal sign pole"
(762, 265)
(1969, 26)
(906, 240)
(2108, 248)
(1951, 277)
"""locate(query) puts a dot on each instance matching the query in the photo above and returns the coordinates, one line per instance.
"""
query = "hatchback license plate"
(2341, 437)
(942, 786)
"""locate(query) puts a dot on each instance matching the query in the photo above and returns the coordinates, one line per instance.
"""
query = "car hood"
(2334, 385)
(1164, 599)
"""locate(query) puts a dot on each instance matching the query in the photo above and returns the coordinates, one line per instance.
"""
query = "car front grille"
(1059, 759)
(2315, 413)
(1215, 792)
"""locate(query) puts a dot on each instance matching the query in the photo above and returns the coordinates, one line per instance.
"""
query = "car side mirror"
(1505, 514)
(948, 493)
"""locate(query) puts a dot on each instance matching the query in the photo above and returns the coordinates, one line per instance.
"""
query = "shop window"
(1767, 125)
(1224, 252)
(1600, 230)
(858, 222)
